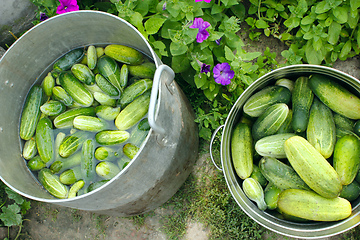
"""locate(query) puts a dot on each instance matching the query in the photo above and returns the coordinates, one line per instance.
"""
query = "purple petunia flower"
(203, 0)
(205, 68)
(43, 17)
(218, 41)
(202, 26)
(67, 6)
(223, 74)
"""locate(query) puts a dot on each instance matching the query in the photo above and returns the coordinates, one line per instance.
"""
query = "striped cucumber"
(72, 143)
(89, 123)
(109, 69)
(65, 62)
(106, 86)
(65, 119)
(83, 73)
(124, 54)
(133, 91)
(254, 192)
(44, 137)
(52, 183)
(273, 145)
(111, 137)
(87, 160)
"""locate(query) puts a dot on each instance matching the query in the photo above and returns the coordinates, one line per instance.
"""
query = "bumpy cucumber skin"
(65, 119)
(130, 150)
(281, 174)
(61, 95)
(260, 101)
(335, 96)
(87, 160)
(76, 187)
(309, 205)
(346, 159)
(144, 70)
(254, 192)
(271, 195)
(312, 167)
(124, 75)
(107, 112)
(273, 146)
(134, 90)
(351, 191)
(31, 112)
(71, 143)
(89, 123)
(52, 108)
(107, 170)
(65, 62)
(133, 112)
(44, 137)
(321, 130)
(52, 184)
(30, 149)
(124, 54)
(111, 137)
(270, 121)
(106, 86)
(36, 164)
(76, 89)
(83, 73)
(242, 150)
(302, 98)
(48, 84)
(343, 122)
(91, 57)
(109, 69)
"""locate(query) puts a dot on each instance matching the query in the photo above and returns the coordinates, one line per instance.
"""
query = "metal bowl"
(268, 219)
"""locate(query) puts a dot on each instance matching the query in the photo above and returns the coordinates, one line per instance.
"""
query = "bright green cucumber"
(47, 84)
(87, 160)
(124, 54)
(36, 164)
(72, 143)
(107, 170)
(61, 95)
(106, 86)
(312, 167)
(335, 96)
(124, 75)
(351, 191)
(281, 174)
(111, 137)
(75, 188)
(89, 123)
(131, 92)
(105, 99)
(76, 89)
(44, 137)
(321, 130)
(258, 176)
(302, 98)
(269, 122)
(309, 205)
(29, 149)
(273, 145)
(107, 112)
(104, 153)
(62, 164)
(52, 183)
(133, 112)
(343, 122)
(65, 119)
(130, 150)
(144, 70)
(266, 97)
(254, 192)
(271, 195)
(346, 159)
(109, 69)
(286, 127)
(242, 150)
(52, 108)
(70, 176)
(91, 57)
(65, 62)
(83, 73)
(31, 112)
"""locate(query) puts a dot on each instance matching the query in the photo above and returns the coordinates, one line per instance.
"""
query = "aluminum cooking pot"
(268, 219)
(164, 160)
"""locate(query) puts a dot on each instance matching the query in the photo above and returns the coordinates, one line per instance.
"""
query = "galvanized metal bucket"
(166, 157)
(268, 219)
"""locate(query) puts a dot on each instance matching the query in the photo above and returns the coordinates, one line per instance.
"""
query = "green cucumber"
(124, 75)
(271, 195)
(106, 86)
(321, 130)
(36, 164)
(133, 112)
(72, 143)
(31, 112)
(258, 176)
(130, 150)
(144, 125)
(61, 95)
(335, 96)
(52, 108)
(346, 159)
(144, 70)
(351, 191)
(75, 188)
(343, 122)
(260, 101)
(96, 185)
(111, 137)
(281, 174)
(270, 121)
(242, 150)
(29, 149)
(70, 176)
(104, 153)
(91, 57)
(138, 136)
(285, 82)
(357, 128)
(62, 164)
(48, 84)
(286, 127)
(104, 99)
(254, 192)
(109, 69)
(87, 160)
(273, 145)
(89, 123)
(83, 73)
(44, 137)
(302, 98)
(65, 119)
(76, 89)
(131, 92)
(65, 62)
(107, 170)
(107, 112)
(124, 54)
(52, 184)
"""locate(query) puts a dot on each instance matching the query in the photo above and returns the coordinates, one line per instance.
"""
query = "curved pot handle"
(154, 95)
(211, 143)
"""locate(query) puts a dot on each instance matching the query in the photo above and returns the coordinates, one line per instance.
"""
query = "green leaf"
(169, 26)
(212, 94)
(217, 9)
(345, 50)
(353, 21)
(317, 44)
(261, 24)
(340, 14)
(200, 80)
(159, 45)
(14, 196)
(312, 56)
(239, 10)
(292, 22)
(322, 7)
(307, 20)
(46, 3)
(153, 24)
(358, 37)
(10, 215)
(177, 48)
(229, 55)
(354, 4)
(180, 63)
(334, 32)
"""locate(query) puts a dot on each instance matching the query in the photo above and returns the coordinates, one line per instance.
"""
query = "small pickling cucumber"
(52, 183)
(144, 125)
(107, 170)
(340, 132)
(130, 150)
(266, 97)
(96, 185)
(285, 82)
(242, 150)
(302, 98)
(343, 122)
(357, 128)
(312, 167)
(286, 127)
(52, 108)
(281, 174)
(65, 119)
(70, 176)
(44, 137)
(258, 176)
(271, 195)
(321, 130)
(273, 145)
(47, 84)
(144, 70)
(104, 99)
(76, 89)
(335, 96)
(107, 112)
(131, 92)
(104, 153)
(62, 164)
(111, 137)
(124, 54)
(133, 112)
(254, 192)
(31, 112)
(89, 123)
(83, 73)
(87, 160)
(61, 95)
(36, 164)
(65, 62)
(351, 191)
(269, 122)
(91, 57)
(29, 149)
(346, 159)
(72, 143)
(75, 188)
(106, 86)
(309, 205)
(124, 75)
(109, 69)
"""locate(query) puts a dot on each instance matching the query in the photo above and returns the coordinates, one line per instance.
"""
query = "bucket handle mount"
(211, 146)
(154, 95)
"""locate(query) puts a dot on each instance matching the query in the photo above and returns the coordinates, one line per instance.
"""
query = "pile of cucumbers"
(87, 119)
(296, 148)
